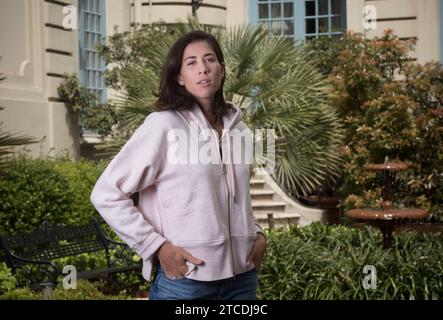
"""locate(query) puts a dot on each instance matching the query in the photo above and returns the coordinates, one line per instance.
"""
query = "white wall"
(408, 18)
(210, 12)
(118, 19)
(36, 50)
(237, 12)
(35, 53)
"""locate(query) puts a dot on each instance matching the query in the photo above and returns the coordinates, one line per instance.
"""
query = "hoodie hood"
(231, 118)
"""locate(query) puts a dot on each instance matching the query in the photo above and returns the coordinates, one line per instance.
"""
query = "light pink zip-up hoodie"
(205, 208)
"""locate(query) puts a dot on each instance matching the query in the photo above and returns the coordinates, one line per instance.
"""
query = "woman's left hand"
(257, 251)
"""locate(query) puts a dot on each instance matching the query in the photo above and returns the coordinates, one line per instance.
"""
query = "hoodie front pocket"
(188, 217)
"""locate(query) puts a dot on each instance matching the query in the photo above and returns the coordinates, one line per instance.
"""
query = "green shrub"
(326, 262)
(126, 283)
(37, 190)
(7, 280)
(57, 191)
(391, 108)
(31, 191)
(81, 101)
(21, 294)
(85, 290)
(81, 176)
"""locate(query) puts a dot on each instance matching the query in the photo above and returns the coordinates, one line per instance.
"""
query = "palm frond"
(278, 87)
(8, 142)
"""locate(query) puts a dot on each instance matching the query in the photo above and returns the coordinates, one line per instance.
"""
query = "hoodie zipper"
(223, 171)
(229, 207)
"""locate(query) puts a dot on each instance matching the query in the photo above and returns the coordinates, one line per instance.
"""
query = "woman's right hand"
(173, 260)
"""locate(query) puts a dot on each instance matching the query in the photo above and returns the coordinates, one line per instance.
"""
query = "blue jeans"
(242, 287)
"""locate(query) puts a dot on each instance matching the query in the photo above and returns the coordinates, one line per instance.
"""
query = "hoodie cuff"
(259, 229)
(150, 246)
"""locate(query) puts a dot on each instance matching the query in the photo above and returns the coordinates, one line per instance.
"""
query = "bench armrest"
(31, 261)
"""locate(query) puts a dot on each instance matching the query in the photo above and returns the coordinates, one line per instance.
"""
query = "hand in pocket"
(257, 252)
(173, 260)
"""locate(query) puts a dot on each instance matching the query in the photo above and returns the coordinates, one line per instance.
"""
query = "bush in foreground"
(326, 262)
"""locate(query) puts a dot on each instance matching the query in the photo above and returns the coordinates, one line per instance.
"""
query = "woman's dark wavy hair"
(172, 96)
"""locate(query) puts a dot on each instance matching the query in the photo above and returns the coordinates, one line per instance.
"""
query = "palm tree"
(9, 140)
(274, 82)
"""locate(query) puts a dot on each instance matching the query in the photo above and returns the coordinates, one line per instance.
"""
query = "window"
(300, 19)
(92, 31)
(324, 17)
(277, 16)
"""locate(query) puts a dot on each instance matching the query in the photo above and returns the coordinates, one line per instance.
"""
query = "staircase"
(269, 199)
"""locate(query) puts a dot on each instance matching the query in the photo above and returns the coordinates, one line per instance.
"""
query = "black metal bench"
(36, 252)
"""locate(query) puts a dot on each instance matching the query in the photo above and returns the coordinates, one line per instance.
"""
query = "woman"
(194, 217)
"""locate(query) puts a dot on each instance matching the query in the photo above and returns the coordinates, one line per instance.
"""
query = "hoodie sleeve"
(133, 169)
(258, 228)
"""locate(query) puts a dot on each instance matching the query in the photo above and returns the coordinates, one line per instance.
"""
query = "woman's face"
(201, 73)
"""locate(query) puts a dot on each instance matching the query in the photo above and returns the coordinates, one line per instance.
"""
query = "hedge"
(327, 262)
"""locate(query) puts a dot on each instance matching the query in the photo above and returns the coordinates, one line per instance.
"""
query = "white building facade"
(36, 48)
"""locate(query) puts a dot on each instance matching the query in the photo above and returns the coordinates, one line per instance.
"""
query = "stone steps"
(268, 210)
(260, 194)
(272, 206)
(269, 205)
(257, 183)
